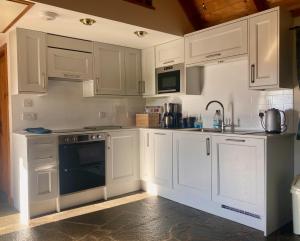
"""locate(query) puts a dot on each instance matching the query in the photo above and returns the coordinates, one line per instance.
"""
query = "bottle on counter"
(198, 123)
(217, 120)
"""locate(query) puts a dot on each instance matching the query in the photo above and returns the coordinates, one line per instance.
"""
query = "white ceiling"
(104, 30)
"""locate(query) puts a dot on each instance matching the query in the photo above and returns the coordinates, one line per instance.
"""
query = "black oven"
(169, 79)
(81, 162)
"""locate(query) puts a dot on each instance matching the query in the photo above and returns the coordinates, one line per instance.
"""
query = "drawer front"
(42, 148)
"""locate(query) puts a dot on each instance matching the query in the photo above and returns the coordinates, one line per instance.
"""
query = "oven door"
(169, 79)
(82, 166)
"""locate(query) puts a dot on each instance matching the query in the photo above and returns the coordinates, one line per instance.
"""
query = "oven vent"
(241, 211)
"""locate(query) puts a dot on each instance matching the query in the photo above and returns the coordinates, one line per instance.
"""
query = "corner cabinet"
(146, 155)
(270, 50)
(192, 164)
(28, 61)
(238, 174)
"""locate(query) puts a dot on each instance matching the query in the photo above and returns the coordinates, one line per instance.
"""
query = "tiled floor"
(152, 218)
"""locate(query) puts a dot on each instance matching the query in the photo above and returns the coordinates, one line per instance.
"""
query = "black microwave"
(169, 79)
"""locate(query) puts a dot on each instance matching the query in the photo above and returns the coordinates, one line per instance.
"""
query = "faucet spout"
(223, 117)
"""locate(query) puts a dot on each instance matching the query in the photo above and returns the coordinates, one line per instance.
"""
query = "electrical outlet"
(28, 103)
(29, 116)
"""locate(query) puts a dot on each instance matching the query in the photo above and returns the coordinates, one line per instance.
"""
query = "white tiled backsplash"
(228, 83)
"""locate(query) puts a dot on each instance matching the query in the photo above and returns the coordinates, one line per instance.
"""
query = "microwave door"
(168, 82)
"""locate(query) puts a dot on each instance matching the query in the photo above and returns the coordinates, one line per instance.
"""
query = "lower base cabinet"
(245, 179)
(192, 164)
(122, 162)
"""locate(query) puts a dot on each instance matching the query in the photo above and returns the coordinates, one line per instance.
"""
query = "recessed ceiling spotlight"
(140, 33)
(87, 21)
(49, 16)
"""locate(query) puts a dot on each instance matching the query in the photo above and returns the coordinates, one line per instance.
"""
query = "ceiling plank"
(194, 16)
(261, 5)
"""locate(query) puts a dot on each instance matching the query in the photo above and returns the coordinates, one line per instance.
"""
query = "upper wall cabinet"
(170, 53)
(133, 75)
(148, 72)
(227, 40)
(109, 69)
(270, 55)
(69, 58)
(28, 61)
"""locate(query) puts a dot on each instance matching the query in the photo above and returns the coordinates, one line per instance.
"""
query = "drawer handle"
(169, 62)
(213, 55)
(161, 134)
(46, 168)
(72, 76)
(236, 140)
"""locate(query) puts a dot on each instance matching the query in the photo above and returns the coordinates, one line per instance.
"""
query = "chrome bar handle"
(252, 73)
(207, 146)
(235, 140)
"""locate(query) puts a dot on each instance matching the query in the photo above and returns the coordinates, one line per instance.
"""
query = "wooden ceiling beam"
(261, 5)
(193, 14)
(295, 12)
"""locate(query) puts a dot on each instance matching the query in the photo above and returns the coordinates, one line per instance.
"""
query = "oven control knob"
(94, 137)
(74, 139)
(99, 136)
(67, 139)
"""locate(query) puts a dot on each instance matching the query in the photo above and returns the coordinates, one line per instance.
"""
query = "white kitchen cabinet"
(148, 72)
(227, 40)
(146, 155)
(238, 173)
(192, 164)
(122, 157)
(109, 69)
(28, 61)
(269, 55)
(68, 64)
(133, 75)
(163, 158)
(169, 53)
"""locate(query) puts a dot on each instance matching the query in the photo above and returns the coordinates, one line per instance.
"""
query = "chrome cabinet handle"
(161, 134)
(235, 140)
(169, 62)
(147, 139)
(207, 146)
(97, 84)
(43, 80)
(109, 142)
(213, 55)
(252, 73)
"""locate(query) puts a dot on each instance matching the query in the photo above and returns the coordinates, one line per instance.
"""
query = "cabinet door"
(122, 157)
(31, 51)
(133, 71)
(264, 50)
(239, 173)
(109, 69)
(148, 72)
(220, 42)
(192, 164)
(43, 179)
(70, 64)
(163, 154)
(170, 53)
(146, 155)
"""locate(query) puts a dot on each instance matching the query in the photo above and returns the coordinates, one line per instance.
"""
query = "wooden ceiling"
(205, 13)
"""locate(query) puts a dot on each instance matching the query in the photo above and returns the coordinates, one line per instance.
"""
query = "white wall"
(64, 107)
(228, 83)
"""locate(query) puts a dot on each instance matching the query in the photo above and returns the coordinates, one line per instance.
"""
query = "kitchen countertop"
(237, 133)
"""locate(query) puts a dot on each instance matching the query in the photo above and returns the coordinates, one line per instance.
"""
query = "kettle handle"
(284, 125)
